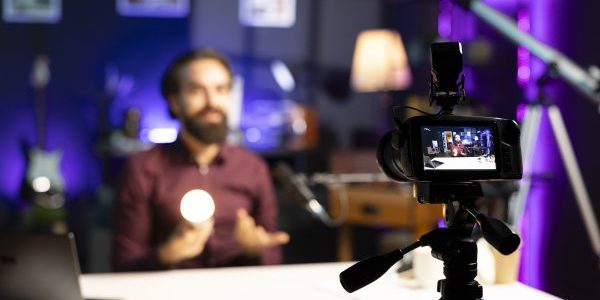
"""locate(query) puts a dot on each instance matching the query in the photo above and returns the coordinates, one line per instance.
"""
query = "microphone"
(296, 186)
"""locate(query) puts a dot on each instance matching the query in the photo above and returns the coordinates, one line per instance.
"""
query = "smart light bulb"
(41, 184)
(197, 206)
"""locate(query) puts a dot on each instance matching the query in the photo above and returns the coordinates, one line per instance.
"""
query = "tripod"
(453, 245)
(531, 127)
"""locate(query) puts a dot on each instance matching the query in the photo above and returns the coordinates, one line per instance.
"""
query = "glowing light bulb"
(41, 184)
(197, 206)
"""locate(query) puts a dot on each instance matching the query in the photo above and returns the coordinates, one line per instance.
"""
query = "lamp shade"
(380, 62)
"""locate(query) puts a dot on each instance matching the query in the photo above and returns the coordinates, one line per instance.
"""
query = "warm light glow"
(197, 206)
(380, 62)
(41, 184)
(299, 126)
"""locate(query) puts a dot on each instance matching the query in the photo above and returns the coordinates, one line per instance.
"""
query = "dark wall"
(90, 36)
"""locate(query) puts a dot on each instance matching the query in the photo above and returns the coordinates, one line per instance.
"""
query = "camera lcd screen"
(458, 148)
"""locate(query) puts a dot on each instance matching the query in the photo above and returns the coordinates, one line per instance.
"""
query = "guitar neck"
(40, 117)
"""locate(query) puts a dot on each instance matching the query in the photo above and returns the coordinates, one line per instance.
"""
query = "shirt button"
(203, 170)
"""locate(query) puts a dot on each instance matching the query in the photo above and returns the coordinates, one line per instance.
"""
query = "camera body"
(451, 148)
(448, 148)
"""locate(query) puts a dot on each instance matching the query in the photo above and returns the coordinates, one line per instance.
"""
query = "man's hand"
(252, 238)
(454, 151)
(186, 242)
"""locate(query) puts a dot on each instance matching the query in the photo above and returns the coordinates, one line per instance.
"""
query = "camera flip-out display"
(458, 148)
(450, 148)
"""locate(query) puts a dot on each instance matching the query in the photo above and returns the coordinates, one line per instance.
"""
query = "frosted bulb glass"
(41, 184)
(197, 206)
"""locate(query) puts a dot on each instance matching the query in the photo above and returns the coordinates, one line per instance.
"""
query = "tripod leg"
(574, 173)
(531, 126)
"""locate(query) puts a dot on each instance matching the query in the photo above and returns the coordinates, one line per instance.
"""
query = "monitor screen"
(458, 148)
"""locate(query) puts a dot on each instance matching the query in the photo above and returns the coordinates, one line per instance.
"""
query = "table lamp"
(197, 206)
(380, 65)
(380, 62)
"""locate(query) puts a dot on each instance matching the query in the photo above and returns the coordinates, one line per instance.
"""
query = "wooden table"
(385, 205)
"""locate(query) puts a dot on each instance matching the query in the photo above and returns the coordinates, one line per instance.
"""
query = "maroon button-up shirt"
(147, 207)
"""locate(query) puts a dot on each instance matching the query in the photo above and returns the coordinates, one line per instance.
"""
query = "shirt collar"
(184, 153)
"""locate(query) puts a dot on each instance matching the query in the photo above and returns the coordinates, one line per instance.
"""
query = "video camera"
(444, 147)
(444, 156)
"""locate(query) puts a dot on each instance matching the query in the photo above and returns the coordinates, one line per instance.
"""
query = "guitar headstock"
(40, 72)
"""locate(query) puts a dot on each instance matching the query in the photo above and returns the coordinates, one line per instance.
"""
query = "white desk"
(309, 281)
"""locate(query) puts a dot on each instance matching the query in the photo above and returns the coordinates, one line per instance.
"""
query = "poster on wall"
(267, 13)
(31, 11)
(154, 8)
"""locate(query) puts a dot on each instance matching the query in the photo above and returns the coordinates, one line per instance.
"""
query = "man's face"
(203, 100)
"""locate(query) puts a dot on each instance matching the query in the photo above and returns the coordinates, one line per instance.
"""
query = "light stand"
(531, 127)
(581, 80)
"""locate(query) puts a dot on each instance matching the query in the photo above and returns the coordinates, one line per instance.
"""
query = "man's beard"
(208, 133)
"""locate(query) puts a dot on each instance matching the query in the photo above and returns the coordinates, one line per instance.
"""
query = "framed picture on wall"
(267, 13)
(31, 11)
(154, 8)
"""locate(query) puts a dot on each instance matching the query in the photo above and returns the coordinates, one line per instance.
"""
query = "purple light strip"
(445, 19)
(523, 55)
(534, 223)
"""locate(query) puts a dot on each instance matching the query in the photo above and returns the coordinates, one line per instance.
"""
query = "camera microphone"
(295, 186)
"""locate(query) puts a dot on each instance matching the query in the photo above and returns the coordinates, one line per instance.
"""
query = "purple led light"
(445, 19)
(445, 25)
(521, 109)
(523, 74)
(523, 22)
(534, 224)
(523, 55)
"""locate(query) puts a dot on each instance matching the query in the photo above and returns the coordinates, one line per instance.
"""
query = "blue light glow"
(283, 76)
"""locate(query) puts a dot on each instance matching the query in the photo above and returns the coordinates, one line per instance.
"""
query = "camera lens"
(388, 157)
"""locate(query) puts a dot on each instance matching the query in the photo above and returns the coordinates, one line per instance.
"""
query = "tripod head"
(453, 245)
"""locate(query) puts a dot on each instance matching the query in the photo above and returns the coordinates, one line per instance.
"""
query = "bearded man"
(150, 232)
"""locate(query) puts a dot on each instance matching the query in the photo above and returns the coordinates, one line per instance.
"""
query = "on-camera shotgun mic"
(295, 186)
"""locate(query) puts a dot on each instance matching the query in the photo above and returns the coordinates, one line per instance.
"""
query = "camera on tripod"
(444, 147)
(445, 156)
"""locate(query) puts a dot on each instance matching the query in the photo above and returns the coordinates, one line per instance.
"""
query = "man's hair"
(170, 82)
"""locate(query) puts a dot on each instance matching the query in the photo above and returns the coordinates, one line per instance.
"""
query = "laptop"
(35, 267)
(431, 163)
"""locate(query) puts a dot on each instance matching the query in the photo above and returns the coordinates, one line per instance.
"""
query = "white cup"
(486, 266)
(427, 269)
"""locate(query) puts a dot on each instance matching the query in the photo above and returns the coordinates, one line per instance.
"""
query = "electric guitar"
(44, 183)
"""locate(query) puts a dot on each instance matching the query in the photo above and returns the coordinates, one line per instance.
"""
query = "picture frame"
(267, 13)
(32, 11)
(153, 8)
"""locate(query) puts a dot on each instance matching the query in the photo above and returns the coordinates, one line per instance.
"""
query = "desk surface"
(307, 281)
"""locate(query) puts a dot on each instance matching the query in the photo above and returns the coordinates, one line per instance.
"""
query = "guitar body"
(44, 179)
(43, 184)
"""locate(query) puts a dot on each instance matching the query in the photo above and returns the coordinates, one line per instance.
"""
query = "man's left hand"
(252, 238)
